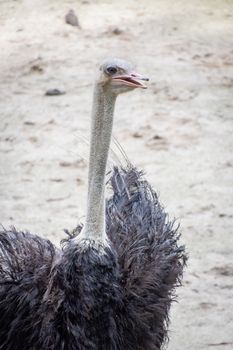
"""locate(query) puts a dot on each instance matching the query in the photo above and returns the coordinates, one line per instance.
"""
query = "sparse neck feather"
(101, 130)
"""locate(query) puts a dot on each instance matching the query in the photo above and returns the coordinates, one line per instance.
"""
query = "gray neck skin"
(101, 130)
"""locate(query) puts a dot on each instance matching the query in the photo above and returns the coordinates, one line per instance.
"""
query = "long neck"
(101, 129)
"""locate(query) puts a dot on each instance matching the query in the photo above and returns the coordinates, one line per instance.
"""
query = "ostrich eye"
(111, 70)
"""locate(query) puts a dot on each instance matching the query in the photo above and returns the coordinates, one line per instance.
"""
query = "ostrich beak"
(133, 79)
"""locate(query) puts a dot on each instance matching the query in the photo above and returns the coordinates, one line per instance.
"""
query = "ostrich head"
(119, 76)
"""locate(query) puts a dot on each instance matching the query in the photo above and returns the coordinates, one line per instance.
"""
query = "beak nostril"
(138, 76)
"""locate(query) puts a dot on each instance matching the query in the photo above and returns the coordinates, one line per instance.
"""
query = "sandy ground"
(179, 130)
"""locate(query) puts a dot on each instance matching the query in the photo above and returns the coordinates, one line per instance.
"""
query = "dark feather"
(150, 259)
(88, 296)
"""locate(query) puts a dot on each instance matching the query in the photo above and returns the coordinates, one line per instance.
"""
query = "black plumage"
(90, 296)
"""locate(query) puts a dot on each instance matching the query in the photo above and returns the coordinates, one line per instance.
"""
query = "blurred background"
(179, 131)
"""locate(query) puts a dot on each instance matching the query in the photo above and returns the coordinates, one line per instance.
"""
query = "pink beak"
(133, 79)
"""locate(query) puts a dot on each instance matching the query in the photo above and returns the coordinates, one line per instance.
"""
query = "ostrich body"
(111, 284)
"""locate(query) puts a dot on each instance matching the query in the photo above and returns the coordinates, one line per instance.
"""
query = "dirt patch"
(179, 131)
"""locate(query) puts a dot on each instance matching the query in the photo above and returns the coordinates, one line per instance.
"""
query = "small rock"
(65, 164)
(137, 134)
(77, 164)
(36, 68)
(229, 164)
(54, 92)
(72, 19)
(10, 139)
(157, 137)
(56, 180)
(208, 54)
(196, 57)
(117, 31)
(157, 142)
(79, 181)
(58, 199)
(28, 122)
(113, 30)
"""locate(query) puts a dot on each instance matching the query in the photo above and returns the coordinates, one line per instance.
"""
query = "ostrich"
(111, 284)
